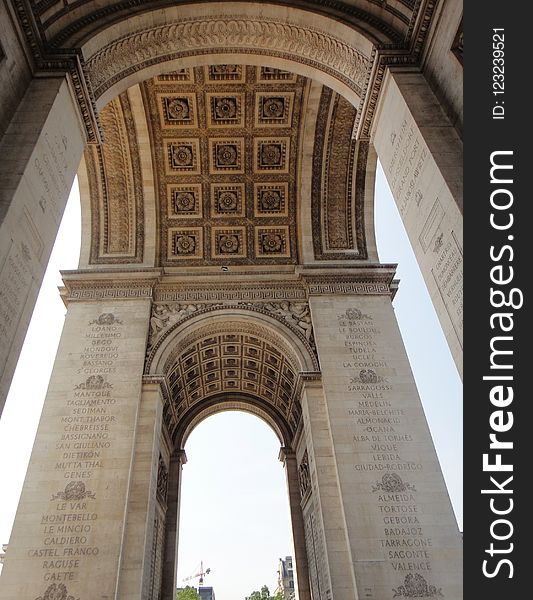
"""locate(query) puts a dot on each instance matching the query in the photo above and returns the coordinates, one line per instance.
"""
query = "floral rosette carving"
(274, 108)
(184, 201)
(393, 483)
(226, 108)
(56, 591)
(228, 244)
(178, 108)
(226, 155)
(271, 154)
(182, 156)
(75, 490)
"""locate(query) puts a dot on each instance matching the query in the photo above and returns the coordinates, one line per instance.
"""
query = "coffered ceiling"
(225, 145)
(205, 166)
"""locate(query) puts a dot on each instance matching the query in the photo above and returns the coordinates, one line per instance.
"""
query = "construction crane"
(200, 574)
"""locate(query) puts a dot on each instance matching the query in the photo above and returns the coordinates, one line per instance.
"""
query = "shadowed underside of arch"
(109, 46)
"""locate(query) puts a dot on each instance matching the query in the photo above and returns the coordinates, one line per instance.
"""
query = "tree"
(187, 593)
(264, 594)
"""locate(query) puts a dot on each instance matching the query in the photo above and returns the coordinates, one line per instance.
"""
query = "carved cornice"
(84, 285)
(61, 61)
(374, 280)
(229, 292)
(121, 291)
(347, 13)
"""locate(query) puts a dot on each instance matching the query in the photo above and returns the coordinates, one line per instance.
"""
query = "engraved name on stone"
(381, 440)
(70, 534)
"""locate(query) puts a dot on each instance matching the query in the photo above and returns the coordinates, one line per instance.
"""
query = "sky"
(234, 506)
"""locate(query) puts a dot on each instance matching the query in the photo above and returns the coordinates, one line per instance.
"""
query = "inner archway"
(234, 513)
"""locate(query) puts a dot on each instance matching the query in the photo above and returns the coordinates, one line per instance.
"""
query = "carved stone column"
(170, 560)
(402, 533)
(39, 155)
(288, 457)
(421, 154)
(80, 501)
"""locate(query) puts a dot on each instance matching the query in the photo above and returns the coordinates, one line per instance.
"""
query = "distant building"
(286, 578)
(206, 593)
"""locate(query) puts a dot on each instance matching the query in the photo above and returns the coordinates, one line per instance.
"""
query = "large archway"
(181, 243)
(350, 49)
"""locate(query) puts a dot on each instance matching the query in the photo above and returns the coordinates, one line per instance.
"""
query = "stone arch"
(135, 49)
(263, 316)
(232, 358)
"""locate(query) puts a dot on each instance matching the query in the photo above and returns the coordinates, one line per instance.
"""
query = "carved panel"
(338, 182)
(115, 187)
(177, 110)
(225, 110)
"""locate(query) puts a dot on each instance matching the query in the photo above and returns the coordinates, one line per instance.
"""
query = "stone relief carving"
(392, 483)
(306, 45)
(295, 314)
(56, 591)
(415, 586)
(94, 382)
(106, 319)
(304, 478)
(166, 315)
(162, 480)
(75, 490)
(368, 376)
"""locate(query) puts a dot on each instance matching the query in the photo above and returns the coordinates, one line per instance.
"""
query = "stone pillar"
(80, 503)
(329, 554)
(137, 570)
(170, 561)
(288, 457)
(39, 155)
(421, 154)
(403, 537)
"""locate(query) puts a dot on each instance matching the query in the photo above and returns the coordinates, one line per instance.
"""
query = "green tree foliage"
(264, 594)
(187, 593)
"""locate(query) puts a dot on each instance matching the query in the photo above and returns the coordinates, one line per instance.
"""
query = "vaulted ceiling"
(203, 167)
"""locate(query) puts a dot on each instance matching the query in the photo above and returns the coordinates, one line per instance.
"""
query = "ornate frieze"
(294, 315)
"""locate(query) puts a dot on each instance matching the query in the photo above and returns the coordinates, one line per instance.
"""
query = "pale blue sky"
(234, 504)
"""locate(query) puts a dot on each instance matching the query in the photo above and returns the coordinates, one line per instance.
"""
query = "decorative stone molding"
(215, 35)
(124, 291)
(379, 281)
(116, 190)
(86, 285)
(247, 292)
(338, 189)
